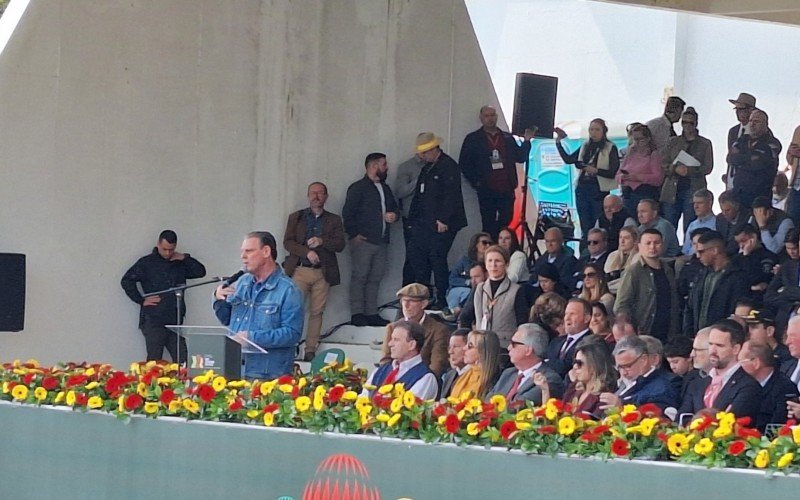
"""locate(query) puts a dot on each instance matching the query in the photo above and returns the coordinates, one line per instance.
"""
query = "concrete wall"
(122, 118)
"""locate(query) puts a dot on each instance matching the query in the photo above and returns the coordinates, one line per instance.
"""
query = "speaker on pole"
(535, 104)
(12, 292)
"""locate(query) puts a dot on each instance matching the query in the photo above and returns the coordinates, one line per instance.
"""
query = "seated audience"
(597, 244)
(595, 289)
(600, 324)
(742, 310)
(772, 223)
(455, 356)
(548, 312)
(761, 330)
(624, 325)
(703, 202)
(556, 254)
(791, 250)
(688, 267)
(678, 352)
(776, 388)
(792, 368)
(526, 351)
(550, 282)
(613, 218)
(648, 219)
(783, 294)
(731, 216)
(640, 174)
(755, 260)
(459, 280)
(561, 351)
(701, 363)
(477, 275)
(481, 357)
(518, 262)
(621, 257)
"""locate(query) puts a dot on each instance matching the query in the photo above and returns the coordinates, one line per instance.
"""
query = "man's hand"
(441, 227)
(792, 409)
(530, 133)
(240, 337)
(560, 134)
(682, 170)
(151, 301)
(223, 291)
(359, 238)
(314, 242)
(390, 217)
(312, 257)
(539, 380)
(590, 170)
(759, 287)
(177, 256)
(609, 400)
(760, 214)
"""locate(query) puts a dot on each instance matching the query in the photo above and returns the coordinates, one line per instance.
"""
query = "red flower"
(206, 392)
(167, 396)
(736, 448)
(452, 423)
(746, 432)
(540, 412)
(487, 407)
(484, 424)
(50, 383)
(271, 408)
(295, 392)
(590, 437)
(285, 379)
(28, 378)
(148, 377)
(620, 447)
(631, 417)
(744, 421)
(508, 429)
(439, 410)
(599, 429)
(559, 405)
(707, 421)
(547, 429)
(784, 431)
(650, 410)
(663, 437)
(256, 392)
(81, 399)
(76, 380)
(460, 406)
(235, 405)
(490, 414)
(133, 402)
(335, 393)
(414, 425)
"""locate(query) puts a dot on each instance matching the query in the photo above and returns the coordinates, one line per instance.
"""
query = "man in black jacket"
(436, 215)
(760, 363)
(754, 157)
(489, 158)
(368, 210)
(717, 286)
(163, 268)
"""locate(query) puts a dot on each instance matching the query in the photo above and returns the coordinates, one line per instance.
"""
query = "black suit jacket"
(528, 391)
(789, 367)
(773, 403)
(783, 294)
(566, 265)
(448, 378)
(741, 396)
(554, 361)
(475, 158)
(438, 196)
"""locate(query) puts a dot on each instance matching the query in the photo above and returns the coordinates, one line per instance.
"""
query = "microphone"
(231, 280)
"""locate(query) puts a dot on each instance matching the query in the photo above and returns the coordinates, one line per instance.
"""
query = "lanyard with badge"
(494, 145)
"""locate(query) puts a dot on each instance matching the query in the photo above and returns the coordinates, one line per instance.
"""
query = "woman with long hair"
(600, 324)
(620, 258)
(481, 356)
(598, 161)
(595, 288)
(640, 173)
(592, 374)
(548, 312)
(459, 280)
(518, 262)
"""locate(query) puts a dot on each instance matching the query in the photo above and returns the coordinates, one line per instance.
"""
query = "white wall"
(122, 118)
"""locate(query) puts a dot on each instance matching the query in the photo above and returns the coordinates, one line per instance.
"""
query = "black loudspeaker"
(535, 104)
(12, 292)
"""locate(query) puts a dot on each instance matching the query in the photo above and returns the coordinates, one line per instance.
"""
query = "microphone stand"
(178, 291)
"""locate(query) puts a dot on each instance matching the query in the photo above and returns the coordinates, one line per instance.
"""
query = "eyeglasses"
(688, 122)
(484, 242)
(514, 343)
(629, 365)
(578, 363)
(594, 242)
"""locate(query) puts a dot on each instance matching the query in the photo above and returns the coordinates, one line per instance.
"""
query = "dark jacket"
(294, 241)
(773, 403)
(756, 165)
(441, 197)
(741, 395)
(783, 294)
(613, 226)
(758, 267)
(726, 228)
(637, 296)
(553, 355)
(732, 286)
(566, 264)
(528, 391)
(362, 212)
(656, 388)
(155, 273)
(475, 159)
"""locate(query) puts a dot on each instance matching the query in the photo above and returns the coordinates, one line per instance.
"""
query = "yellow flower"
(191, 406)
(397, 405)
(269, 419)
(762, 459)
(175, 405)
(165, 380)
(796, 434)
(395, 418)
(365, 410)
(120, 404)
(320, 391)
(704, 447)
(252, 413)
(634, 429)
(59, 397)
(266, 387)
(19, 392)
(70, 398)
(679, 443)
(453, 400)
(399, 390)
(362, 402)
(365, 419)
(219, 383)
(238, 384)
(566, 426)
(89, 372)
(474, 405)
(286, 388)
(523, 426)
(383, 417)
(628, 409)
(461, 415)
(150, 364)
(409, 400)
(150, 407)
(526, 414)
(350, 396)
(319, 403)
(472, 429)
(303, 403)
(647, 425)
(724, 430)
(135, 368)
(172, 367)
(785, 460)
(302, 382)
(200, 379)
(499, 402)
(141, 389)
(726, 418)
(40, 393)
(6, 388)
(91, 385)
(385, 389)
(551, 410)
(95, 402)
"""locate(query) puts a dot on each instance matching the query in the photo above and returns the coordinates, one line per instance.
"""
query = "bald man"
(557, 255)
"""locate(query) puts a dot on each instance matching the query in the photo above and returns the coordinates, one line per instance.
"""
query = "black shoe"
(359, 320)
(309, 356)
(376, 320)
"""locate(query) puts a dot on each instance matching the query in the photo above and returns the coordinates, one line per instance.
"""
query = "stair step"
(357, 335)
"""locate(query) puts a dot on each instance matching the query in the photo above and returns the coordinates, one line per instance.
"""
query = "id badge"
(497, 163)
(422, 188)
(485, 322)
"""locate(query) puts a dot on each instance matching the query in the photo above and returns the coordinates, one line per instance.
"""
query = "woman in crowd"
(548, 312)
(598, 161)
(681, 179)
(499, 304)
(549, 282)
(640, 173)
(600, 325)
(518, 262)
(592, 374)
(620, 258)
(481, 357)
(595, 288)
(460, 285)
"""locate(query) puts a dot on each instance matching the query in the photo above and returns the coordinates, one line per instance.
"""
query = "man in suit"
(455, 353)
(526, 350)
(758, 361)
(557, 255)
(435, 216)
(413, 300)
(597, 243)
(728, 387)
(488, 159)
(313, 237)
(646, 381)
(792, 368)
(743, 105)
(561, 350)
(783, 294)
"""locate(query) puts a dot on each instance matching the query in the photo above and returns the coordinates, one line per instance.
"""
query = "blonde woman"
(622, 257)
(483, 368)
(595, 288)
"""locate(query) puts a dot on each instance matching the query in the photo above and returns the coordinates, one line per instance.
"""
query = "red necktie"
(513, 391)
(392, 375)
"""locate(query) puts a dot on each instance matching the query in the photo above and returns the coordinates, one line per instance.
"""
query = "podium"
(214, 348)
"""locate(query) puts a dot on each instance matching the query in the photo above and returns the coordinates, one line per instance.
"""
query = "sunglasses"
(589, 275)
(594, 242)
(686, 122)
(484, 242)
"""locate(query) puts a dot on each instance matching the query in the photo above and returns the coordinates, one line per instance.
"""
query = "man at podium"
(264, 307)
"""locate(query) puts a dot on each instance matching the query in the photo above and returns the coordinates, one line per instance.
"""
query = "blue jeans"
(589, 202)
(682, 206)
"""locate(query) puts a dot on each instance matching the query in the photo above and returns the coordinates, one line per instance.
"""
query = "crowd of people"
(628, 315)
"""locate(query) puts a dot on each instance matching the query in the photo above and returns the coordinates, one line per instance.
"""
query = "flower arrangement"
(337, 400)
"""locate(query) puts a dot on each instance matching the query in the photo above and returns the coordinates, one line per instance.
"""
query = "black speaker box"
(535, 104)
(12, 292)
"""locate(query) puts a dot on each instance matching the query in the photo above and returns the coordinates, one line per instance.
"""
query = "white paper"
(686, 159)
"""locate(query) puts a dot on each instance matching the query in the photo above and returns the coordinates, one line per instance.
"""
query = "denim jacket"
(271, 312)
